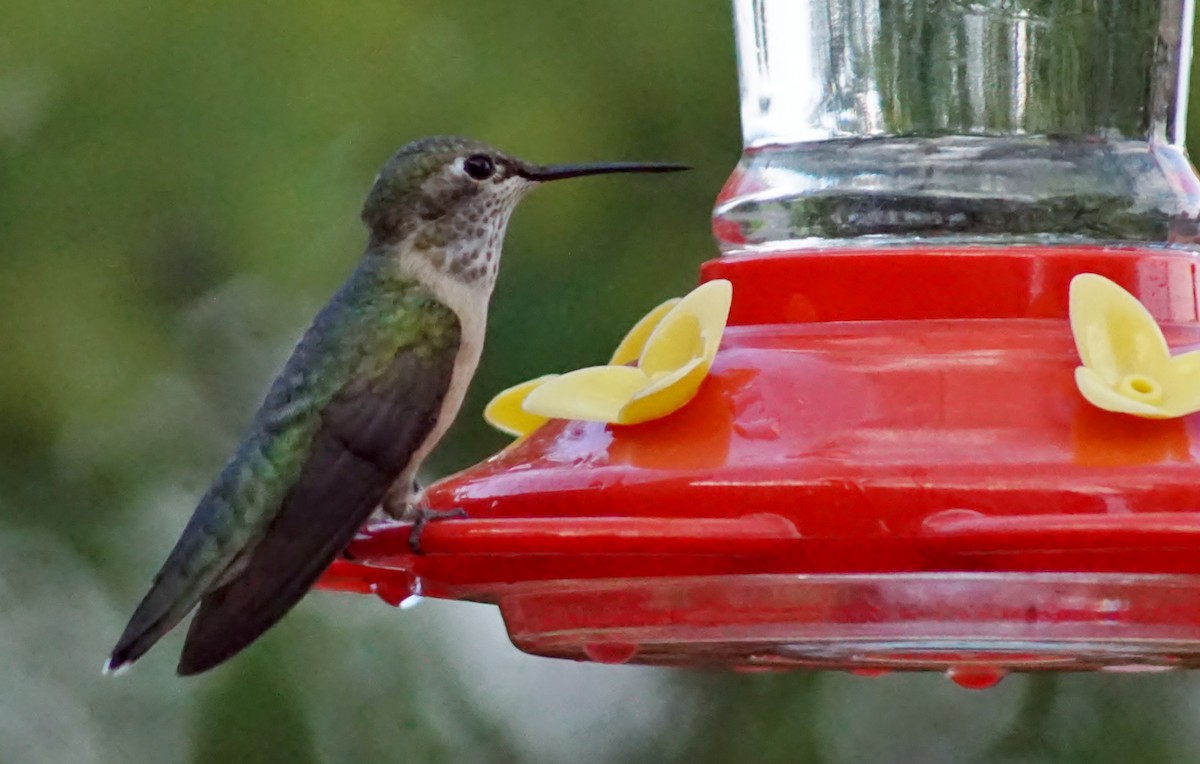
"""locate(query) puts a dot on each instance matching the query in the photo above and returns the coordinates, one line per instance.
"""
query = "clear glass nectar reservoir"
(1003, 120)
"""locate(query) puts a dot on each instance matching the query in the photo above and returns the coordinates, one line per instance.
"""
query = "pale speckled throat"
(465, 243)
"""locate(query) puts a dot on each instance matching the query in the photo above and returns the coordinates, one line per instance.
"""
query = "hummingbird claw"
(422, 516)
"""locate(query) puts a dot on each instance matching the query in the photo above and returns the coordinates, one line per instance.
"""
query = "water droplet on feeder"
(395, 593)
(610, 652)
(410, 602)
(975, 677)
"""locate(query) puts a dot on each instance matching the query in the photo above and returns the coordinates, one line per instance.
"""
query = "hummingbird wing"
(368, 434)
(358, 396)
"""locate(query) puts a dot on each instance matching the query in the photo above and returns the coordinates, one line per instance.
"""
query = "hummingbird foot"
(402, 500)
(421, 516)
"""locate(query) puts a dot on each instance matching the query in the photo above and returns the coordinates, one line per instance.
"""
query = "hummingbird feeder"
(889, 465)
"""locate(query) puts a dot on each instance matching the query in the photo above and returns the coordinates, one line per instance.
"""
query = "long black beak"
(561, 171)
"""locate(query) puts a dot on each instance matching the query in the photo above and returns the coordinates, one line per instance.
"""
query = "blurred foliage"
(179, 192)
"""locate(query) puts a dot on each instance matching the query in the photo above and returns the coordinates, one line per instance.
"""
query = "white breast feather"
(470, 304)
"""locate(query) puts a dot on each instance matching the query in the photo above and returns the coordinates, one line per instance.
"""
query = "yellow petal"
(504, 411)
(692, 329)
(1114, 333)
(666, 394)
(676, 342)
(631, 347)
(595, 394)
(1102, 395)
(1180, 380)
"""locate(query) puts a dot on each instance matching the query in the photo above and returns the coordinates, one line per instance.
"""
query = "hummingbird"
(368, 392)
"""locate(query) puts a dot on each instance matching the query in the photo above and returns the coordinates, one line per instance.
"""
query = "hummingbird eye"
(479, 166)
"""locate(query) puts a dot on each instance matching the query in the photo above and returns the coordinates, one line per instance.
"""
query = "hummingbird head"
(448, 200)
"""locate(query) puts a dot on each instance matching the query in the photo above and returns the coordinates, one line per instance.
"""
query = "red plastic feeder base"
(888, 468)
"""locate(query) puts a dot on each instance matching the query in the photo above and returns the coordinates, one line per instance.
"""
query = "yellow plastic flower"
(504, 412)
(1127, 367)
(674, 346)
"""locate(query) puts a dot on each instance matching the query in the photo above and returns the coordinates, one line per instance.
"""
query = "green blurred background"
(179, 191)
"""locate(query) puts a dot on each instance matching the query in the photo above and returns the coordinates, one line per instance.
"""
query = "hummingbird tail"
(138, 638)
(283, 567)
(223, 625)
(324, 510)
(176, 589)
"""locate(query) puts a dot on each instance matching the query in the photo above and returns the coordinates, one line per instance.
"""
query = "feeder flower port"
(1127, 367)
(673, 345)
